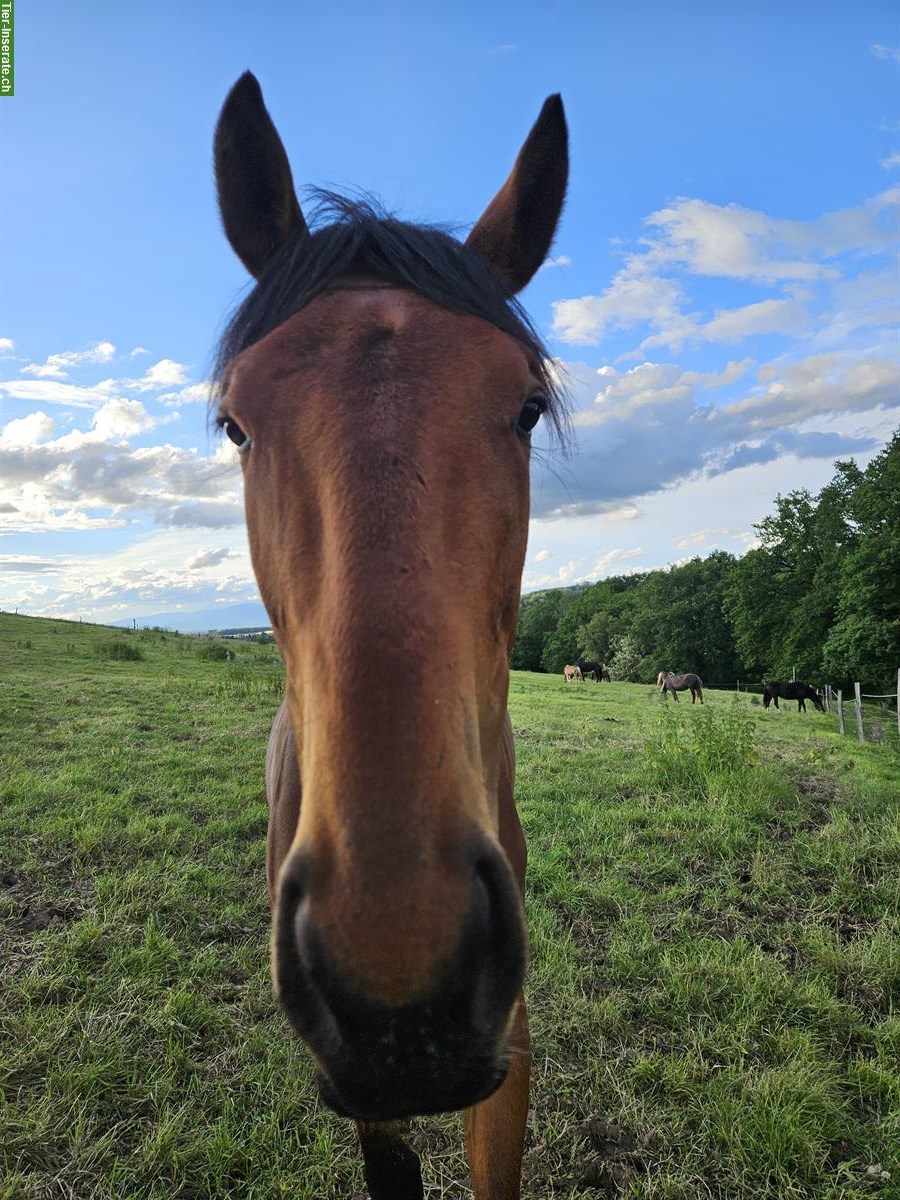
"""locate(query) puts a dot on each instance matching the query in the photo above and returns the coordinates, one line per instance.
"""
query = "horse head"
(382, 385)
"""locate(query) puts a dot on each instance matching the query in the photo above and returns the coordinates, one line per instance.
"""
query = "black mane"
(356, 237)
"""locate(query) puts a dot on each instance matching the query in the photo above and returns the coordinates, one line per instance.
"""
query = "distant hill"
(229, 616)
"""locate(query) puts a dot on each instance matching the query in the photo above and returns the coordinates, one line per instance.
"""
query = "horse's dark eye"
(532, 411)
(235, 434)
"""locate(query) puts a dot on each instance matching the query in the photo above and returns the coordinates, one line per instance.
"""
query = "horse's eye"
(532, 411)
(235, 434)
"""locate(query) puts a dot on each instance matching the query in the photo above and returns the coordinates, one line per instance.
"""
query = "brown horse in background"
(570, 673)
(381, 385)
(681, 683)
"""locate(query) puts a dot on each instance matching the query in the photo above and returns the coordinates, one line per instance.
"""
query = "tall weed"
(119, 652)
(236, 681)
(694, 747)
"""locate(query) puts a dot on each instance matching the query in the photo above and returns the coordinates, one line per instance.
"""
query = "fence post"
(857, 704)
(840, 707)
(898, 699)
(827, 697)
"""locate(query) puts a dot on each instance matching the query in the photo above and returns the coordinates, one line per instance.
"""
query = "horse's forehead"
(345, 325)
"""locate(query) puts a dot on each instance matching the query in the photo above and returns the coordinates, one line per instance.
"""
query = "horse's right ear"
(259, 206)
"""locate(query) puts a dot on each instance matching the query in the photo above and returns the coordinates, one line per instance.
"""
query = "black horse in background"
(592, 669)
(792, 690)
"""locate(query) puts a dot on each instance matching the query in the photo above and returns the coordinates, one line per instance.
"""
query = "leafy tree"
(781, 600)
(864, 643)
(679, 622)
(539, 616)
(624, 662)
(566, 643)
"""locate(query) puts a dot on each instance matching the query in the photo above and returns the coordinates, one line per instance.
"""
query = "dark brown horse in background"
(681, 683)
(382, 385)
(792, 690)
(590, 669)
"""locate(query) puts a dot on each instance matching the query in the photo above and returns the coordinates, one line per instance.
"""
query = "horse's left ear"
(517, 228)
(257, 200)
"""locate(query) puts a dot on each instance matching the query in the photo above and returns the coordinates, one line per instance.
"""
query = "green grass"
(713, 911)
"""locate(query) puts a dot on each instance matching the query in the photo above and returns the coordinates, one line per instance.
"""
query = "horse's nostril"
(293, 884)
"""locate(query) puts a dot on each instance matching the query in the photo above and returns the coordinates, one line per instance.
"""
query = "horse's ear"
(257, 200)
(516, 230)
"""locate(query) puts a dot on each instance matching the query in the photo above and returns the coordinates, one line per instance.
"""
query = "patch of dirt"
(850, 926)
(789, 956)
(620, 1154)
(817, 787)
(29, 910)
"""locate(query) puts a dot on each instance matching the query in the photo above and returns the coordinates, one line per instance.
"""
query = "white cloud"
(653, 386)
(94, 478)
(45, 391)
(889, 52)
(669, 284)
(120, 418)
(27, 431)
(542, 556)
(138, 350)
(57, 366)
(7, 344)
(635, 295)
(194, 393)
(208, 558)
(653, 426)
(27, 564)
(824, 383)
(701, 538)
(892, 160)
(163, 374)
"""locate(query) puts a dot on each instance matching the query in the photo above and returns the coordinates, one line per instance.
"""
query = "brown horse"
(382, 384)
(681, 683)
(570, 673)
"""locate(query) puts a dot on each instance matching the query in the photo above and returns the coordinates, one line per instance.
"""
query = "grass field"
(714, 911)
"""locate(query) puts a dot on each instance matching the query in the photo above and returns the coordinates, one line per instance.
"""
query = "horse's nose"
(440, 1048)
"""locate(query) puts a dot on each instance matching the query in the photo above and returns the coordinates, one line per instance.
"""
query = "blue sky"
(723, 297)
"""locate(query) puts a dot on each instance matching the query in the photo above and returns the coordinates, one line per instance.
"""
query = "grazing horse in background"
(604, 674)
(594, 670)
(681, 683)
(792, 690)
(572, 672)
(661, 678)
(381, 385)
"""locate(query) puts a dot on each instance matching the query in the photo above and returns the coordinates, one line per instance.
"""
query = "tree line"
(819, 595)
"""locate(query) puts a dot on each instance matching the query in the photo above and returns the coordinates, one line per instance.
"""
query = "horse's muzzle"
(447, 1048)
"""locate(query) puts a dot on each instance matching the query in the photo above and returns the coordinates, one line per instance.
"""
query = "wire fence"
(876, 717)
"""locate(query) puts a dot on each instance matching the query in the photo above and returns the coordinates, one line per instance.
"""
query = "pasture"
(714, 915)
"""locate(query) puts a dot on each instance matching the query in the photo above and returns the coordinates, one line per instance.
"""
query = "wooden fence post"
(840, 708)
(857, 704)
